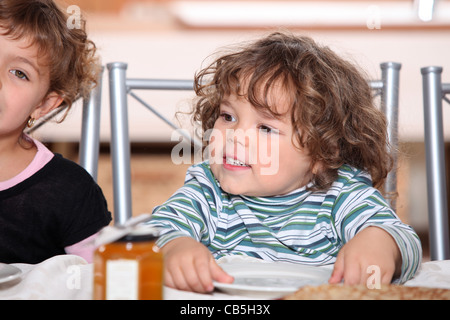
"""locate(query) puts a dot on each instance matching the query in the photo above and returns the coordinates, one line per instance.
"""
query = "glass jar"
(130, 268)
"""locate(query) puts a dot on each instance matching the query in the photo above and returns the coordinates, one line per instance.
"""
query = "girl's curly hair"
(332, 112)
(69, 54)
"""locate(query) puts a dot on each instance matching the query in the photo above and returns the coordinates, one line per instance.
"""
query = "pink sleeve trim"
(84, 248)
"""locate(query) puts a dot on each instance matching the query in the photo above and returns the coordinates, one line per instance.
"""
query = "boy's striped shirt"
(301, 227)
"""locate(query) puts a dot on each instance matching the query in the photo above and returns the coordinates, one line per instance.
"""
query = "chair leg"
(120, 143)
(434, 146)
(90, 129)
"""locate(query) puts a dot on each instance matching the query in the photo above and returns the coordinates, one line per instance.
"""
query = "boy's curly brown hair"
(69, 54)
(332, 112)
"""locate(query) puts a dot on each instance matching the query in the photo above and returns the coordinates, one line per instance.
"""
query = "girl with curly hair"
(48, 204)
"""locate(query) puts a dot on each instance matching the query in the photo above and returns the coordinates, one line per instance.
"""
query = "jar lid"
(140, 234)
(133, 227)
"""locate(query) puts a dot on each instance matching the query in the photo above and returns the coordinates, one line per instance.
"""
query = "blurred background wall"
(172, 39)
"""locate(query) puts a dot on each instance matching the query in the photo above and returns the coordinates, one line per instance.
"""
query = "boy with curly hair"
(288, 104)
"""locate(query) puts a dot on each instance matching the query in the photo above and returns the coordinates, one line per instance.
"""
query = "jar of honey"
(130, 268)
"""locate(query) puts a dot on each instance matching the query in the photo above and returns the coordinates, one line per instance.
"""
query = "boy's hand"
(190, 266)
(371, 246)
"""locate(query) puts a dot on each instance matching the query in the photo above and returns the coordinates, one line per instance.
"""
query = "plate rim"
(9, 277)
(293, 269)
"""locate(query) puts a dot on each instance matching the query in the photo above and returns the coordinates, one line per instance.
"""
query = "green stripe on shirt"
(300, 227)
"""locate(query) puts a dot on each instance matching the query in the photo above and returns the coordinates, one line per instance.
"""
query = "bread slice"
(361, 292)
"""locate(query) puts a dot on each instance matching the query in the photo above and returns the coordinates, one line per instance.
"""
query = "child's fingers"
(198, 274)
(218, 274)
(177, 279)
(338, 272)
(168, 281)
(387, 274)
(353, 274)
(204, 277)
(350, 268)
(193, 281)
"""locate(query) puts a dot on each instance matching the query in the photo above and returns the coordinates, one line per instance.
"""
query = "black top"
(58, 206)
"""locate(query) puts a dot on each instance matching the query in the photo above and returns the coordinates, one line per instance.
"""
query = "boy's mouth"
(234, 162)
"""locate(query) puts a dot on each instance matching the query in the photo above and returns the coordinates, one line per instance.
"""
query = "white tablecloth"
(69, 277)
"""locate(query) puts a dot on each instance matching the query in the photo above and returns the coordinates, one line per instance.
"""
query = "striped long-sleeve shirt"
(301, 227)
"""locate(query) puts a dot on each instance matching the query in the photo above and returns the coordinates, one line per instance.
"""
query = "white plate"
(8, 273)
(270, 280)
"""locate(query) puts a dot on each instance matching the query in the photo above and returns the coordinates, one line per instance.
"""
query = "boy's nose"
(240, 136)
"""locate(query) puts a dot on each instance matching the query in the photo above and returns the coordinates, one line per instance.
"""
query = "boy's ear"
(50, 103)
(317, 167)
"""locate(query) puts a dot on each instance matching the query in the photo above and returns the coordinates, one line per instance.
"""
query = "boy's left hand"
(371, 246)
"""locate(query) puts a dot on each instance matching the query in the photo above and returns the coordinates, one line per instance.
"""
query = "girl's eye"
(227, 117)
(267, 129)
(19, 74)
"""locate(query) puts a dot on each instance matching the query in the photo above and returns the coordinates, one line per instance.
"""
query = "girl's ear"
(50, 102)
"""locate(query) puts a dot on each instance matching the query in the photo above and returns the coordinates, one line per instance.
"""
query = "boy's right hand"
(190, 266)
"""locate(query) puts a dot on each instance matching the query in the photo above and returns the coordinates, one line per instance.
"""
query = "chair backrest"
(434, 92)
(388, 88)
(90, 128)
(120, 87)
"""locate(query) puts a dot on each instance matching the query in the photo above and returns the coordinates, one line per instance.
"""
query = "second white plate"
(270, 280)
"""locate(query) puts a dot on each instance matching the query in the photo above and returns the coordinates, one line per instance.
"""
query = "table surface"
(70, 277)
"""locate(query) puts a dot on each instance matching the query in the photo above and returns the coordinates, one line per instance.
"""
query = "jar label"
(122, 279)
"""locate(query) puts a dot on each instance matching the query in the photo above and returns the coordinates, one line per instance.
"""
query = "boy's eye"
(267, 129)
(227, 117)
(19, 74)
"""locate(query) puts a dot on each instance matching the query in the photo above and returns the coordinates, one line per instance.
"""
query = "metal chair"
(434, 91)
(120, 86)
(90, 128)
(388, 89)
